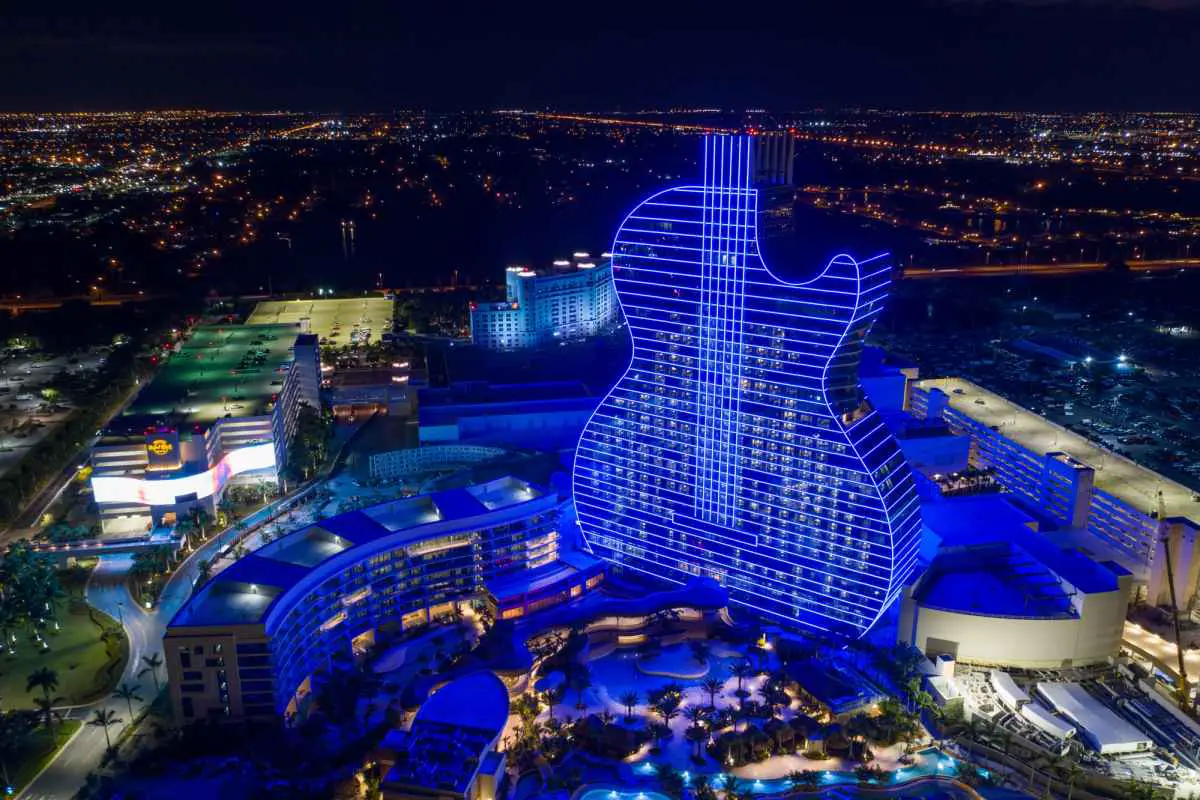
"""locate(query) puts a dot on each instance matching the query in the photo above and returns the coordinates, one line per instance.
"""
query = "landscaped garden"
(713, 716)
(45, 624)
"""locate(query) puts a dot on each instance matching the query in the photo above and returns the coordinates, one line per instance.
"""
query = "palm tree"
(128, 693)
(47, 680)
(741, 670)
(554, 696)
(13, 731)
(696, 732)
(712, 685)
(45, 709)
(807, 780)
(699, 651)
(152, 662)
(629, 699)
(702, 788)
(1073, 773)
(737, 790)
(580, 679)
(105, 718)
(668, 709)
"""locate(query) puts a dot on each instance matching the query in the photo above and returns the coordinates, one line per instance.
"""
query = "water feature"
(920, 779)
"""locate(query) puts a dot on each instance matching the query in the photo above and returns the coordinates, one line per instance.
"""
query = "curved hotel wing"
(249, 642)
(739, 444)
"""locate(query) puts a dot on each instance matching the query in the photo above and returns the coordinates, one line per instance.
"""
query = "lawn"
(27, 761)
(87, 666)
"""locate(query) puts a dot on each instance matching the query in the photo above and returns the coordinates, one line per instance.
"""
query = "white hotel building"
(574, 299)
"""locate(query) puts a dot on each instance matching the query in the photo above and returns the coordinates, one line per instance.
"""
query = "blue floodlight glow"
(738, 443)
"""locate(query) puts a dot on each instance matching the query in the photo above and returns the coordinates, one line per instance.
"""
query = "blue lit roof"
(478, 701)
(244, 592)
(989, 518)
(992, 563)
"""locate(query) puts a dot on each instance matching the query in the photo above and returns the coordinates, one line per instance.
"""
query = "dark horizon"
(952, 55)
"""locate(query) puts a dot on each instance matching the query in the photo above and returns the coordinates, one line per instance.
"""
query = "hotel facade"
(739, 444)
(221, 411)
(1102, 501)
(572, 300)
(252, 642)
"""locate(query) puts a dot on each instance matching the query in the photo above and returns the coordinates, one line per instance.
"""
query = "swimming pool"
(928, 765)
(621, 794)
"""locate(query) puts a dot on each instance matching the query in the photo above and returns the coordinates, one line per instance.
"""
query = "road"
(1044, 270)
(107, 591)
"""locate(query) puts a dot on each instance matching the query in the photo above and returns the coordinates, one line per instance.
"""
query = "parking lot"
(30, 408)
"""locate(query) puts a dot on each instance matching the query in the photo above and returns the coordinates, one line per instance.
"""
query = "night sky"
(1054, 55)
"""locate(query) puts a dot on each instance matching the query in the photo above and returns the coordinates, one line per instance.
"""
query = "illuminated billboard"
(108, 489)
(162, 449)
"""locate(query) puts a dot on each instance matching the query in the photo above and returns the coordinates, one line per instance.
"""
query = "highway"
(1046, 270)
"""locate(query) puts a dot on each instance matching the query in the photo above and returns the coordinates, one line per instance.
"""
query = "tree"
(806, 780)
(741, 670)
(696, 732)
(1074, 771)
(667, 708)
(713, 686)
(912, 688)
(307, 450)
(105, 718)
(15, 729)
(152, 662)
(579, 678)
(47, 680)
(702, 788)
(128, 693)
(671, 780)
(700, 651)
(629, 699)
(554, 696)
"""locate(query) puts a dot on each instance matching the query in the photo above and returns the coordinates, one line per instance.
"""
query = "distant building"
(222, 410)
(334, 321)
(409, 461)
(572, 300)
(254, 640)
(360, 392)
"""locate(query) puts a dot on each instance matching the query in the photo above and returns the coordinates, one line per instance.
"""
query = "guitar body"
(738, 443)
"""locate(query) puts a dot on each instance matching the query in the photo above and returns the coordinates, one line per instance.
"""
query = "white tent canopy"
(1006, 688)
(1103, 729)
(1043, 720)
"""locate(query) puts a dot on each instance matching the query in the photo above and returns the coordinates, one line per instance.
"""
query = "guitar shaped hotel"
(738, 443)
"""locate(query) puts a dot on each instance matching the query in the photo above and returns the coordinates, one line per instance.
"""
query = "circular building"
(1019, 602)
